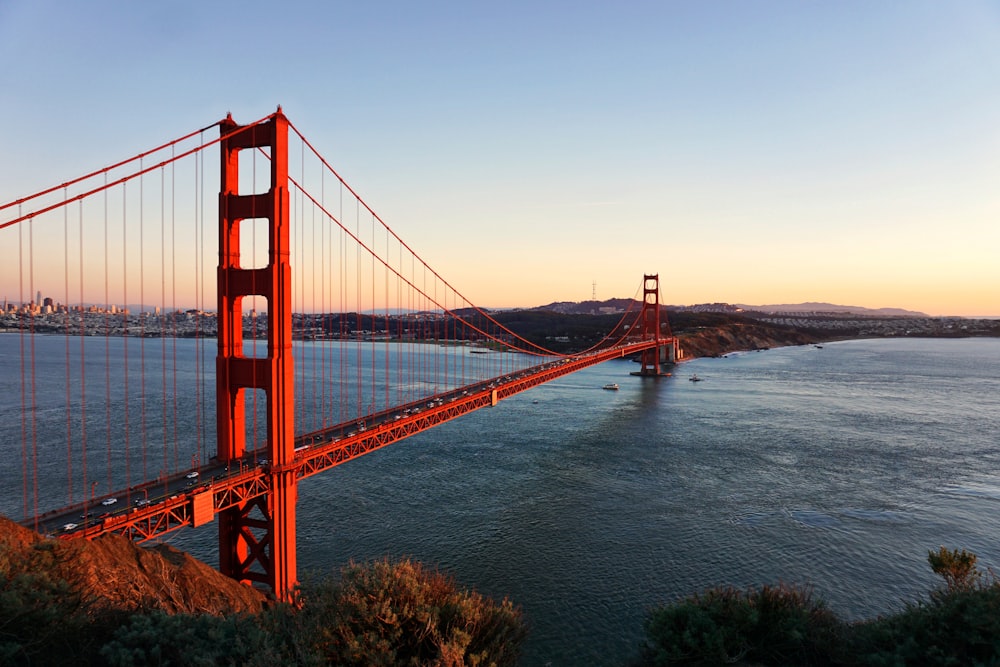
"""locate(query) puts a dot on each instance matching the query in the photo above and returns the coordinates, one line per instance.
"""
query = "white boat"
(611, 386)
(695, 378)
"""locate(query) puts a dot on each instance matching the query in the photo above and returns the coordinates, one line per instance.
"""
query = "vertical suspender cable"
(323, 305)
(414, 343)
(342, 292)
(142, 321)
(296, 232)
(173, 313)
(399, 326)
(357, 308)
(34, 401)
(83, 365)
(433, 350)
(387, 344)
(427, 372)
(128, 471)
(25, 491)
(199, 249)
(253, 323)
(69, 423)
(313, 343)
(107, 341)
(374, 393)
(161, 315)
(200, 259)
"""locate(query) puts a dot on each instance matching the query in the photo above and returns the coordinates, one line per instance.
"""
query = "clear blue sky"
(750, 152)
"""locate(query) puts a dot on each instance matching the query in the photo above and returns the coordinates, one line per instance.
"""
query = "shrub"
(959, 627)
(957, 567)
(43, 620)
(198, 640)
(400, 614)
(773, 625)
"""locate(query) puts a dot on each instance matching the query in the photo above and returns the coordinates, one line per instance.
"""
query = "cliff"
(714, 341)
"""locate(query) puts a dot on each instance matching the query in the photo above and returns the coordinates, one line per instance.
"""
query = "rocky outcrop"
(735, 337)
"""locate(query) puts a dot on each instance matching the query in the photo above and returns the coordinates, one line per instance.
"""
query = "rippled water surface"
(837, 467)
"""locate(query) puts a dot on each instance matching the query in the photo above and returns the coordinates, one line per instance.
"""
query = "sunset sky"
(749, 152)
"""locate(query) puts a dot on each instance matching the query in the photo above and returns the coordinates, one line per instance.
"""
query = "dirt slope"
(116, 573)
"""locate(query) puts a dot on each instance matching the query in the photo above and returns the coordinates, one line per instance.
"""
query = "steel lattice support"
(262, 547)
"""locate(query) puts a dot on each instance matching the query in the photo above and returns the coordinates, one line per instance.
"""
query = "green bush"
(957, 627)
(43, 620)
(378, 614)
(158, 638)
(400, 614)
(772, 625)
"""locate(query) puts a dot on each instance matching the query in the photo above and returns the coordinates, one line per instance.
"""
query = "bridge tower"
(257, 537)
(650, 317)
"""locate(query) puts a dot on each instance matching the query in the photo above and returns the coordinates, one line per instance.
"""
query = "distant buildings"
(46, 315)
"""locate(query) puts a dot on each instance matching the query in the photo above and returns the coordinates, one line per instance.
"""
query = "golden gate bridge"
(310, 290)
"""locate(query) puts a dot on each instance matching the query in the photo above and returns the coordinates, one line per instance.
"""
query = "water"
(837, 467)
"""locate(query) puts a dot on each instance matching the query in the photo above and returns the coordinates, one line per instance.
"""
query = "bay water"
(837, 467)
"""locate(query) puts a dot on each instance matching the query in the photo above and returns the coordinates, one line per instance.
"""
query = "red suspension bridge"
(334, 339)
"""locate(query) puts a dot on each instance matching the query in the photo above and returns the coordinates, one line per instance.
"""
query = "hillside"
(113, 573)
(719, 340)
(108, 602)
(701, 334)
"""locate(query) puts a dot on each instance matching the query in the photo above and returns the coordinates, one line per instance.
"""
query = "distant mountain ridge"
(589, 307)
(820, 307)
(620, 305)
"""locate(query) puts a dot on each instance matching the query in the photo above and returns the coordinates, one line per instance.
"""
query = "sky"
(753, 152)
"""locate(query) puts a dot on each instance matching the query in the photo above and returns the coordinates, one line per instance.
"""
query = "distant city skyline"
(755, 152)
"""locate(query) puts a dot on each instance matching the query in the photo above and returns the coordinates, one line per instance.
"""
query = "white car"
(192, 475)
(69, 526)
(109, 501)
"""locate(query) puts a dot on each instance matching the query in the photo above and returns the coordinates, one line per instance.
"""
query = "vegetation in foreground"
(399, 613)
(378, 614)
(958, 625)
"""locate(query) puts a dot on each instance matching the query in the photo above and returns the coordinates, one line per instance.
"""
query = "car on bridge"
(109, 501)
